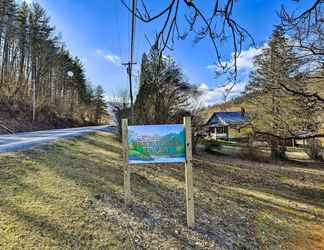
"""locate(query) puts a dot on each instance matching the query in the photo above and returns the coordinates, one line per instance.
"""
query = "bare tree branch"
(218, 26)
(306, 31)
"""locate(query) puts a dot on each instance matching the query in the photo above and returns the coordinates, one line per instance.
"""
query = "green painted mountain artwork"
(156, 143)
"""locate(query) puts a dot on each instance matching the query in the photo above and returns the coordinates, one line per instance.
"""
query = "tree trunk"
(278, 149)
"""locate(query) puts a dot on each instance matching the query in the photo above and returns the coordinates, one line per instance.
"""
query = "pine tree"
(34, 61)
(164, 92)
(7, 35)
(277, 114)
(23, 34)
(100, 104)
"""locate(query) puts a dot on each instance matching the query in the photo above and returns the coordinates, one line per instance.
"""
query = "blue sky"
(97, 31)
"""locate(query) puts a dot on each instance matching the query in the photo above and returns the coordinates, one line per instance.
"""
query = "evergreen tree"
(34, 63)
(100, 104)
(164, 92)
(277, 114)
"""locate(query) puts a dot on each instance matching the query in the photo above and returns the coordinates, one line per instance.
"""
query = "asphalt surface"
(23, 141)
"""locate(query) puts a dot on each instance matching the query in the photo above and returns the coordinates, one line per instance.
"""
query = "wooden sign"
(156, 144)
(151, 144)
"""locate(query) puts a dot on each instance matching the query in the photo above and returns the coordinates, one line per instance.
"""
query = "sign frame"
(156, 144)
(188, 169)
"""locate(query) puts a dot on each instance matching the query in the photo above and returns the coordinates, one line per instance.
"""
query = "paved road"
(22, 141)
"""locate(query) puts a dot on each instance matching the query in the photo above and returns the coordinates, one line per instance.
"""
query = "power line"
(132, 50)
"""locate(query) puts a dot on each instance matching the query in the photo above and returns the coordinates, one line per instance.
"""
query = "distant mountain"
(173, 139)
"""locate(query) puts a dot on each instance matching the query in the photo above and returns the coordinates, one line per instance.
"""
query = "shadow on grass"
(317, 165)
(43, 227)
(78, 164)
(244, 197)
(96, 166)
(104, 146)
(242, 175)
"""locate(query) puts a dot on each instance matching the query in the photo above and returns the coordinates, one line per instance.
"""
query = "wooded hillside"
(41, 84)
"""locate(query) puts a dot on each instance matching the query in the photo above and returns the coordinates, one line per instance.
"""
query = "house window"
(221, 130)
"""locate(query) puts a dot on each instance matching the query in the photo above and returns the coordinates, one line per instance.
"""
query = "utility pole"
(129, 67)
(131, 59)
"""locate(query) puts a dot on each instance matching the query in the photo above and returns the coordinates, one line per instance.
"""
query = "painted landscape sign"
(156, 144)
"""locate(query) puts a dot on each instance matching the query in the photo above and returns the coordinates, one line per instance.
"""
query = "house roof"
(303, 134)
(227, 118)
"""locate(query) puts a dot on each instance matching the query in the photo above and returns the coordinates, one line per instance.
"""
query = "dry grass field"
(69, 195)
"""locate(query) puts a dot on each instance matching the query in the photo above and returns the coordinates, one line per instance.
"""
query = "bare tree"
(306, 31)
(34, 66)
(216, 24)
(219, 25)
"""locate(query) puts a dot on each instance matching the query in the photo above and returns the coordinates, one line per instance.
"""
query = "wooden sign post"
(188, 173)
(125, 161)
(172, 156)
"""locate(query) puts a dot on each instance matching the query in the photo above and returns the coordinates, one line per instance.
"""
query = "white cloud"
(244, 61)
(113, 58)
(244, 66)
(109, 57)
(212, 67)
(210, 96)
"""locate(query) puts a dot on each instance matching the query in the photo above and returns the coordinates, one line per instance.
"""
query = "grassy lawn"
(68, 195)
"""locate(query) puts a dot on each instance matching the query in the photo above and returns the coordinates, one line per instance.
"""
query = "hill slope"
(18, 118)
(232, 105)
(69, 195)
